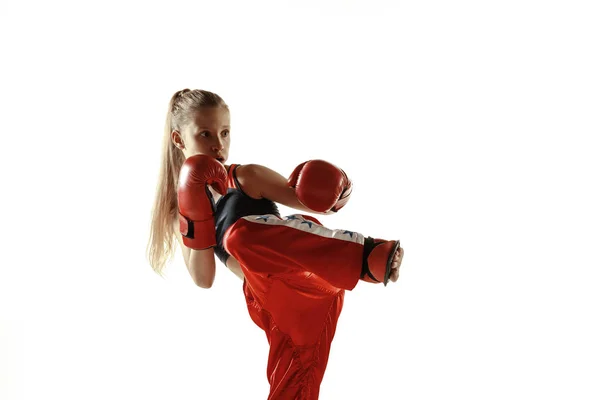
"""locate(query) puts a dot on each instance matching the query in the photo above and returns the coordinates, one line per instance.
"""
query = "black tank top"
(234, 205)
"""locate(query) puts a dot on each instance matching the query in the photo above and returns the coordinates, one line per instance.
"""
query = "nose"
(217, 146)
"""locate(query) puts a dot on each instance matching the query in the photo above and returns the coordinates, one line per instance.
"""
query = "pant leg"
(299, 316)
(295, 271)
(274, 246)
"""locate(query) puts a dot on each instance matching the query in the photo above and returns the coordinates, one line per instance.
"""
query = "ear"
(177, 139)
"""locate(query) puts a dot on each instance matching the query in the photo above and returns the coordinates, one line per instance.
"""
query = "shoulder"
(246, 170)
(259, 181)
(254, 173)
(250, 177)
(267, 183)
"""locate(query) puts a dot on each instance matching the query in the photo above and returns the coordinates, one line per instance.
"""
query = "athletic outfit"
(296, 270)
(297, 309)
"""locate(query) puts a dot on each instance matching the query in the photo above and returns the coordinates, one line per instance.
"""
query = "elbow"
(204, 282)
(201, 266)
(204, 285)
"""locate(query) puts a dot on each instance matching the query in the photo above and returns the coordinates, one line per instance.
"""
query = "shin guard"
(377, 260)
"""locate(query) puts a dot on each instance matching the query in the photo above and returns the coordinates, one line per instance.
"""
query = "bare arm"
(200, 263)
(262, 182)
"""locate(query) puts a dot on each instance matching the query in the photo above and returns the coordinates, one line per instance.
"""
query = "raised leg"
(271, 245)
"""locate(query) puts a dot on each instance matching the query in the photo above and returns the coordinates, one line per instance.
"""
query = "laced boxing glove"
(196, 220)
(321, 186)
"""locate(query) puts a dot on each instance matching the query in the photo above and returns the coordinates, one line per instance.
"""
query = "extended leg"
(271, 245)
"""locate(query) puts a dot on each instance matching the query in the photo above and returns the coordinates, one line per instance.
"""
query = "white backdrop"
(468, 130)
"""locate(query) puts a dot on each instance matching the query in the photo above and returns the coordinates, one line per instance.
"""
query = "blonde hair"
(161, 243)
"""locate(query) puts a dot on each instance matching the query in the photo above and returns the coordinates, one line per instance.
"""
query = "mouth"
(220, 159)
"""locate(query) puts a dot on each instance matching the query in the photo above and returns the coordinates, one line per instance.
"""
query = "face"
(206, 133)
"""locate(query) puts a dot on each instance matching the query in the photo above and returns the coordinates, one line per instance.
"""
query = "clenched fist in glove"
(321, 186)
(196, 221)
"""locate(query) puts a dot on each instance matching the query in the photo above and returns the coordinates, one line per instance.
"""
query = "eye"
(225, 133)
(204, 133)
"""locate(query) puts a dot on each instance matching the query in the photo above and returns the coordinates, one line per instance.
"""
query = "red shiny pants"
(296, 273)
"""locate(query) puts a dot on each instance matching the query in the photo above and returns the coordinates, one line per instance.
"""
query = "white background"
(470, 132)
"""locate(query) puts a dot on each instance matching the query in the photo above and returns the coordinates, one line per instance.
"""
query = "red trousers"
(296, 273)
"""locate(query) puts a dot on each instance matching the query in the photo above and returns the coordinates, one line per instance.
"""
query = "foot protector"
(377, 260)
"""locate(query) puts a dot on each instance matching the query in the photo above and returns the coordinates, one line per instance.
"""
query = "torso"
(243, 180)
(243, 199)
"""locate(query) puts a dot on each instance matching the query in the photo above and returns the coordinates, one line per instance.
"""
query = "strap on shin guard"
(369, 246)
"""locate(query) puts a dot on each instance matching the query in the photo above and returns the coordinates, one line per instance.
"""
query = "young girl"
(295, 271)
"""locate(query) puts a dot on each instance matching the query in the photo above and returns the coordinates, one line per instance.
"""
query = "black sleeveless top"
(234, 205)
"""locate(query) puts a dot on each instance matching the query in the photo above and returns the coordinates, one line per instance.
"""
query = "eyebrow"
(208, 129)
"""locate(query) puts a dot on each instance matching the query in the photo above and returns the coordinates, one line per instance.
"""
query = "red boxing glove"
(196, 221)
(321, 186)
